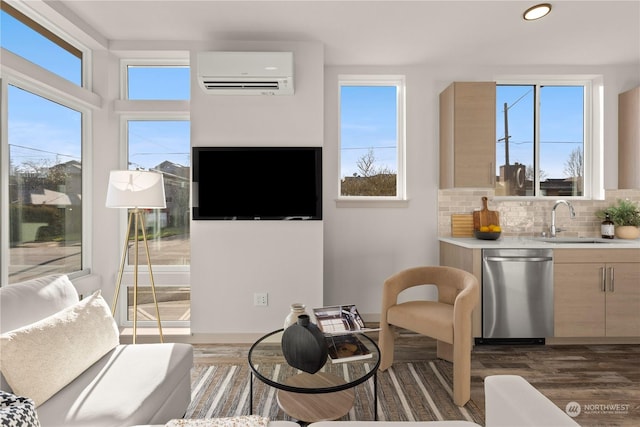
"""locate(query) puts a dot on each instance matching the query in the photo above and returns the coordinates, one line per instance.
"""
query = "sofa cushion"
(39, 359)
(510, 400)
(17, 411)
(27, 302)
(130, 385)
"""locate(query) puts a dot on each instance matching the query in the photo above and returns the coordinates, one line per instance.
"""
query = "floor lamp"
(136, 190)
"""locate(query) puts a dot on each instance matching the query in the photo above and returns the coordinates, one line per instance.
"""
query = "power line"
(44, 151)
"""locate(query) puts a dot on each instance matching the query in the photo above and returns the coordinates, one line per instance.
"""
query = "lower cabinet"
(596, 293)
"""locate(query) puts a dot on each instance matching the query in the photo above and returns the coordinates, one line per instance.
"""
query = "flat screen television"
(257, 183)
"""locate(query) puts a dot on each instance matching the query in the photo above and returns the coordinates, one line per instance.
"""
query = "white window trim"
(400, 200)
(164, 275)
(158, 110)
(49, 91)
(60, 26)
(593, 130)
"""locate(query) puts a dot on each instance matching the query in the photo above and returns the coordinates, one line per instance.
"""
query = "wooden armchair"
(448, 320)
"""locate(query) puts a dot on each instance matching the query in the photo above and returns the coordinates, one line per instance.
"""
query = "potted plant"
(625, 215)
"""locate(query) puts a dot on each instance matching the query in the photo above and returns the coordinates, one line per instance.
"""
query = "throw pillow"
(39, 359)
(17, 411)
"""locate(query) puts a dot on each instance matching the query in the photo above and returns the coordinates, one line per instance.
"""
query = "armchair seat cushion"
(429, 318)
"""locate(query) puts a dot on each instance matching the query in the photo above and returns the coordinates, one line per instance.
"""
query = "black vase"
(303, 345)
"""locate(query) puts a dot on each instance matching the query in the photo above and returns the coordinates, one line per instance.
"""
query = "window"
(46, 132)
(164, 146)
(160, 141)
(543, 146)
(45, 186)
(157, 82)
(32, 41)
(371, 137)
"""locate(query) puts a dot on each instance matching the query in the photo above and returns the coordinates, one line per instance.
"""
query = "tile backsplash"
(528, 217)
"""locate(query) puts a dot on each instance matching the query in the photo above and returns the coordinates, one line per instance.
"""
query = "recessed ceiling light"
(537, 11)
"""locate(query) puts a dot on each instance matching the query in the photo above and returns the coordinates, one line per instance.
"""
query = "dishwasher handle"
(519, 258)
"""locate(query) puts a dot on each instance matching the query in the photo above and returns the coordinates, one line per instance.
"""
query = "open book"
(340, 319)
(344, 348)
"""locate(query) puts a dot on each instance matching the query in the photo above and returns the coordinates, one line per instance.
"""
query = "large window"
(371, 137)
(42, 153)
(45, 186)
(163, 146)
(160, 141)
(543, 146)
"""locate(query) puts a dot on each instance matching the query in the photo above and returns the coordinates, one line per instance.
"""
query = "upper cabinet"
(468, 135)
(629, 139)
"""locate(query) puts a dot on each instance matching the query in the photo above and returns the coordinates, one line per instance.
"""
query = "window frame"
(400, 199)
(592, 128)
(43, 90)
(148, 110)
(26, 75)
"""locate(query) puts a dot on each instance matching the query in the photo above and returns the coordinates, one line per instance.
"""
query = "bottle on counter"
(607, 229)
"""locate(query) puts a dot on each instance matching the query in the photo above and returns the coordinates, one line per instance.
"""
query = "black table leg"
(251, 394)
(375, 396)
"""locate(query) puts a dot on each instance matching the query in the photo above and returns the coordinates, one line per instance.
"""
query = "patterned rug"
(408, 391)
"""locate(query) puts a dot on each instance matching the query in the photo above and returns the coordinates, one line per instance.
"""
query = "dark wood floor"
(603, 379)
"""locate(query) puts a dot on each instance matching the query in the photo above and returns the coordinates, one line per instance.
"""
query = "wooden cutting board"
(462, 225)
(485, 217)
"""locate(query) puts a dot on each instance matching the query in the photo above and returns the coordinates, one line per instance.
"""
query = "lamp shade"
(135, 189)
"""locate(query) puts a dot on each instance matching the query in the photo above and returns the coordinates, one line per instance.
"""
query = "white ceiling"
(389, 32)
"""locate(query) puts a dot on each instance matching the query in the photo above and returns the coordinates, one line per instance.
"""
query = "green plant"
(624, 212)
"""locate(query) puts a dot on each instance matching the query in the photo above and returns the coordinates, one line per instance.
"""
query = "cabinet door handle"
(611, 279)
(603, 272)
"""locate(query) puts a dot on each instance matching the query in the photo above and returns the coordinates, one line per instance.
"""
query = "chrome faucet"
(553, 229)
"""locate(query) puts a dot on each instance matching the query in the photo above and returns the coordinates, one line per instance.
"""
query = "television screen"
(257, 183)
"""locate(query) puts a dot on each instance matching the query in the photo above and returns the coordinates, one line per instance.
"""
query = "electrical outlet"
(261, 299)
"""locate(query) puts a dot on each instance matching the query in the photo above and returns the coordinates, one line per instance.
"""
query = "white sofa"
(73, 367)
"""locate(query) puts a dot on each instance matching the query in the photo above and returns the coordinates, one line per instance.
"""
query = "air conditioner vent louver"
(246, 73)
(240, 85)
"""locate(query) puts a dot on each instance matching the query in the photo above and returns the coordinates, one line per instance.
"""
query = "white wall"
(232, 260)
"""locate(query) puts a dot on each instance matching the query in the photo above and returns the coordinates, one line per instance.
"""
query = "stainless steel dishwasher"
(517, 295)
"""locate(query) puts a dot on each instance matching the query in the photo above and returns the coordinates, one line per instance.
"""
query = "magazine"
(344, 348)
(340, 319)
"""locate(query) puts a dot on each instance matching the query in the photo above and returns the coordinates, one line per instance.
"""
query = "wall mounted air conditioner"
(246, 73)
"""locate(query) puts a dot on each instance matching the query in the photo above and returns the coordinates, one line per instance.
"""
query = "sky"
(43, 131)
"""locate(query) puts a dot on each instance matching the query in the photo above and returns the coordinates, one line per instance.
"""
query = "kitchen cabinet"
(468, 260)
(597, 293)
(629, 139)
(468, 135)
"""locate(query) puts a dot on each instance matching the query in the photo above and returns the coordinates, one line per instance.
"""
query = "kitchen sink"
(568, 240)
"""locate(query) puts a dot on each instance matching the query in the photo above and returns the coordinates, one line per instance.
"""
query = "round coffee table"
(325, 395)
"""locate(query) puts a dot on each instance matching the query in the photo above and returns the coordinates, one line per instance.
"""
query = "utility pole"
(506, 135)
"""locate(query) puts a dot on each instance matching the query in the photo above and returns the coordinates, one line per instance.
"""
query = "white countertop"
(536, 242)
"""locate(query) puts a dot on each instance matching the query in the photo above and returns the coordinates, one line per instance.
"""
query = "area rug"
(408, 391)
